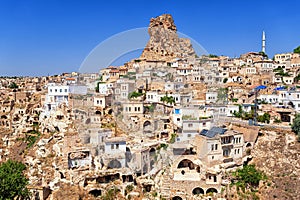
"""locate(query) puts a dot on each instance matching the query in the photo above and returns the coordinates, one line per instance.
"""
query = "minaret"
(263, 46)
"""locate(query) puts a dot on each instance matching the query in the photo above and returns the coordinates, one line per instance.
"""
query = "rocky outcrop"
(277, 154)
(164, 43)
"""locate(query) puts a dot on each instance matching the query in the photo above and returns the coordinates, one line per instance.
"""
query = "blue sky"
(54, 36)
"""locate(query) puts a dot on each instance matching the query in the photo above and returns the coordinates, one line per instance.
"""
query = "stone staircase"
(166, 184)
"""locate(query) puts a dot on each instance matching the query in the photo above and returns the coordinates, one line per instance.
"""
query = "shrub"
(248, 177)
(13, 183)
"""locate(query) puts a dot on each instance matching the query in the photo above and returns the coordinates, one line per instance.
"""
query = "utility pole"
(255, 107)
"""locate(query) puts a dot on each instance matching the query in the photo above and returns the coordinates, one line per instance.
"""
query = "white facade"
(282, 57)
(114, 146)
(99, 101)
(211, 97)
(293, 97)
(288, 80)
(57, 94)
(269, 98)
(231, 109)
(250, 70)
(103, 88)
(152, 96)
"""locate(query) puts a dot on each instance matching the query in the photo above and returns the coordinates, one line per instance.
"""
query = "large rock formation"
(164, 43)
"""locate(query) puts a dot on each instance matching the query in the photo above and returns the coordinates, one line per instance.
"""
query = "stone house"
(115, 149)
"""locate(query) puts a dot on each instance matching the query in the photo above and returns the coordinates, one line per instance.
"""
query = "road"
(246, 122)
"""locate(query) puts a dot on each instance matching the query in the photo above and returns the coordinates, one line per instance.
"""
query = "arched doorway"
(152, 155)
(186, 163)
(197, 191)
(98, 112)
(147, 126)
(114, 164)
(95, 193)
(211, 190)
(110, 111)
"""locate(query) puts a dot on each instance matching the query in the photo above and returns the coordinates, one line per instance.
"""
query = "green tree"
(297, 50)
(263, 54)
(135, 94)
(265, 118)
(280, 72)
(12, 180)
(168, 100)
(239, 114)
(296, 126)
(248, 177)
(222, 95)
(212, 56)
(111, 194)
(13, 85)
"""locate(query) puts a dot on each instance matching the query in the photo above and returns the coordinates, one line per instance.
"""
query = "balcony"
(226, 144)
(227, 159)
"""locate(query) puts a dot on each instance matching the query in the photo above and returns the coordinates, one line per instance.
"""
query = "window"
(189, 135)
(216, 146)
(60, 90)
(50, 90)
(66, 90)
(55, 90)
(112, 146)
(212, 147)
(117, 146)
(226, 153)
(190, 125)
(204, 123)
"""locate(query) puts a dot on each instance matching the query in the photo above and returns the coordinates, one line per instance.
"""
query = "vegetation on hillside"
(12, 181)
(296, 126)
(247, 181)
(297, 50)
(134, 94)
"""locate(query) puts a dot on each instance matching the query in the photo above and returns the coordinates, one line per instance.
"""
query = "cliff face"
(164, 43)
(277, 154)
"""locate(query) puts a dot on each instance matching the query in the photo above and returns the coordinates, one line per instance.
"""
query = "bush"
(128, 189)
(12, 181)
(265, 118)
(225, 80)
(248, 177)
(13, 85)
(297, 50)
(173, 138)
(296, 126)
(135, 95)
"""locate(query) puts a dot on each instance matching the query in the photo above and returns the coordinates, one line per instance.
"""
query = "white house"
(269, 98)
(99, 101)
(211, 97)
(58, 94)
